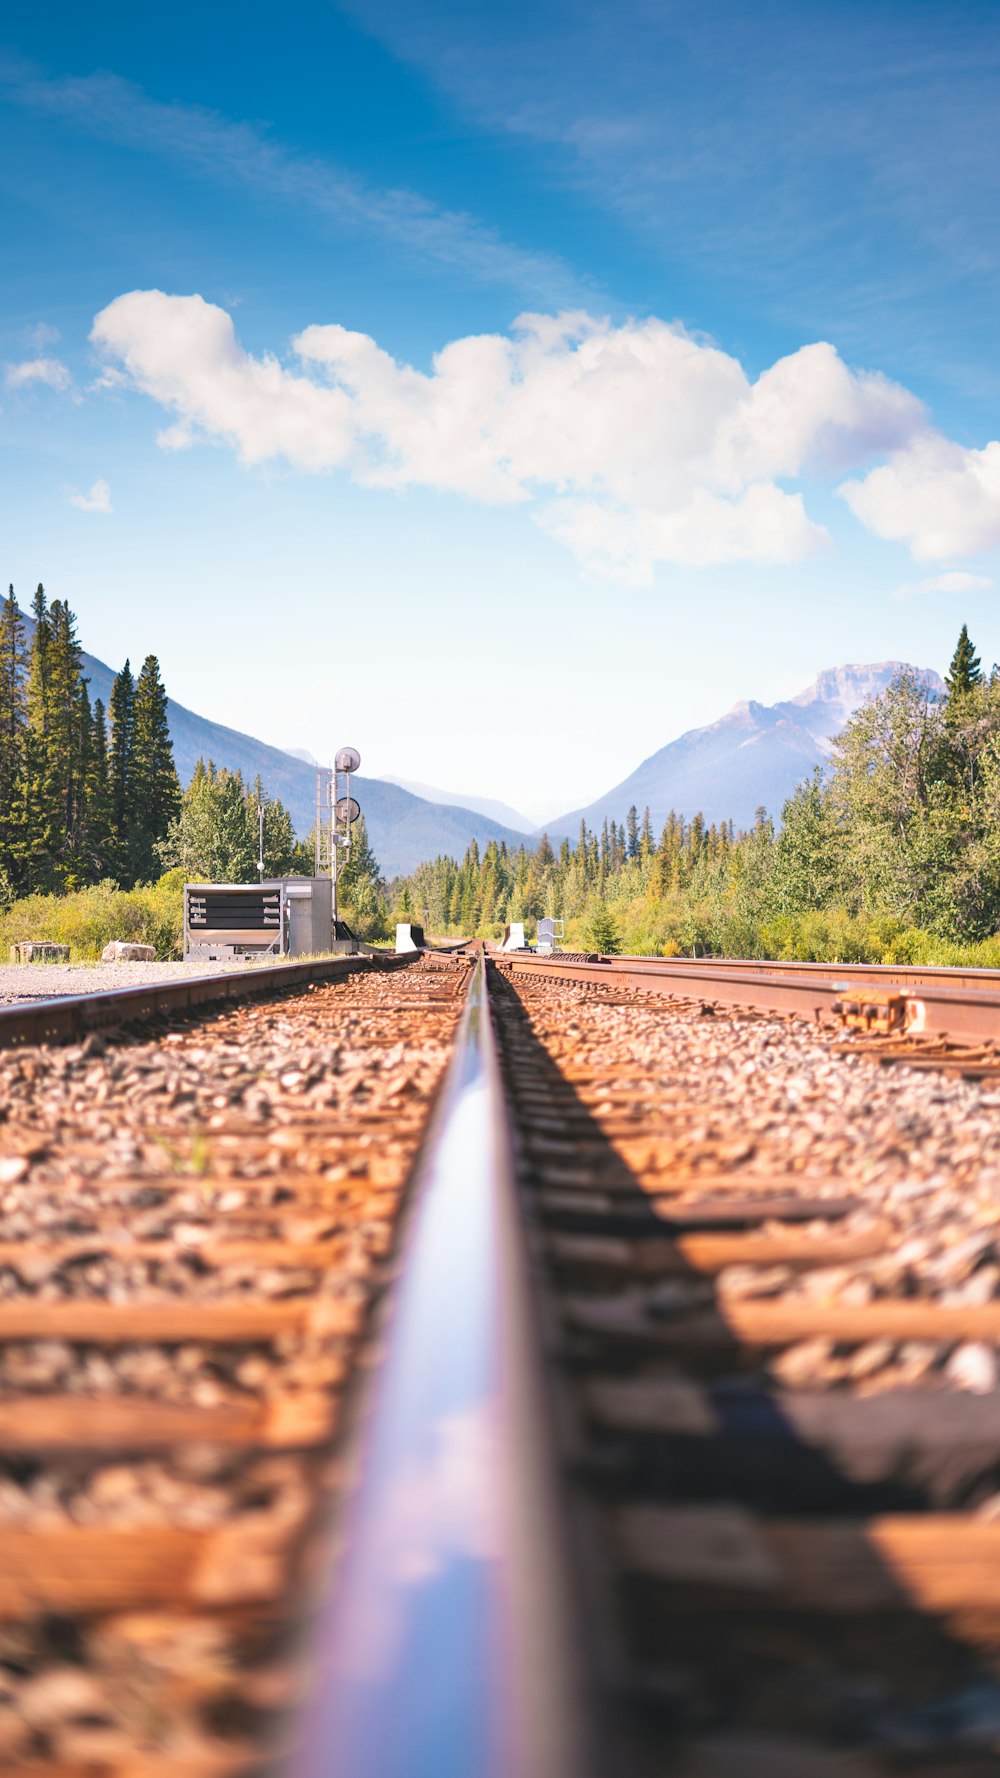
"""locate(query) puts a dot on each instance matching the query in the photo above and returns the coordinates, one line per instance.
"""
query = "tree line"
(86, 794)
(897, 842)
(89, 795)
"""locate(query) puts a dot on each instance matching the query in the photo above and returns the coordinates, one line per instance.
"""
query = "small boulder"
(118, 951)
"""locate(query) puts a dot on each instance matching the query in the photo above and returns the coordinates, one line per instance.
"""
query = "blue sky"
(344, 494)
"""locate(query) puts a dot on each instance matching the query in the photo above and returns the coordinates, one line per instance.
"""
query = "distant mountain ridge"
(755, 754)
(404, 830)
(483, 805)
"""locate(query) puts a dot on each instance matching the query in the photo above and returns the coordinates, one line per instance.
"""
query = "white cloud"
(42, 335)
(953, 581)
(939, 498)
(237, 154)
(98, 499)
(50, 371)
(634, 444)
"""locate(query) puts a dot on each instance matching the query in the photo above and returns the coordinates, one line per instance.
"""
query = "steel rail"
(952, 1010)
(446, 1649)
(70, 1017)
(887, 975)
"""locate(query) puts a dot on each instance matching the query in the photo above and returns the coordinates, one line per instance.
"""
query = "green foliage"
(87, 919)
(360, 889)
(602, 932)
(74, 809)
(215, 836)
(153, 792)
(966, 671)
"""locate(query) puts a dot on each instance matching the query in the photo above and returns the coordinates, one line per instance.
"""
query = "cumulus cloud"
(97, 499)
(50, 371)
(633, 444)
(939, 498)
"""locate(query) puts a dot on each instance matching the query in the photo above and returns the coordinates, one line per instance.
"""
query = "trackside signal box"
(285, 917)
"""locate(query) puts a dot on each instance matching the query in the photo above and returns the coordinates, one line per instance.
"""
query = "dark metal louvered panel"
(219, 910)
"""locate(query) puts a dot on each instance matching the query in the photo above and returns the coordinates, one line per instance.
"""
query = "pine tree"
(98, 796)
(544, 854)
(966, 668)
(39, 818)
(67, 737)
(121, 713)
(38, 669)
(632, 828)
(602, 931)
(646, 835)
(152, 789)
(13, 732)
(963, 679)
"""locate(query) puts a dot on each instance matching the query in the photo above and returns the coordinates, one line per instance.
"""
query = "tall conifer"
(153, 792)
(121, 713)
(13, 728)
(98, 796)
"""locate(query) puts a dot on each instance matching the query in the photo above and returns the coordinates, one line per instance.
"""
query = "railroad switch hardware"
(547, 934)
(881, 1010)
(284, 917)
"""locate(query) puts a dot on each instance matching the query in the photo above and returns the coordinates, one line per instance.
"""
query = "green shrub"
(88, 919)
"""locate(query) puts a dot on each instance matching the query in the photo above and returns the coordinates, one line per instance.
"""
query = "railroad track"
(771, 1286)
(197, 1221)
(924, 1011)
(649, 1387)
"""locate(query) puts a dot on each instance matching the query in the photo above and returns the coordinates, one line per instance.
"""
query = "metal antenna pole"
(316, 829)
(334, 858)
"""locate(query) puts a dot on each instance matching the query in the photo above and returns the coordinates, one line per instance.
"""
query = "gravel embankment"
(21, 982)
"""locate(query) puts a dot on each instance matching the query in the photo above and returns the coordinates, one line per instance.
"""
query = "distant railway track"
(927, 1004)
(646, 1371)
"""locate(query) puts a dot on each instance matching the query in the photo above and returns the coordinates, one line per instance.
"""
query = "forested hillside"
(893, 852)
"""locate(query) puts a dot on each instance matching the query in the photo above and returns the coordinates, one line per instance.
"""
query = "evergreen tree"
(98, 796)
(966, 669)
(121, 713)
(632, 829)
(13, 732)
(67, 739)
(38, 669)
(39, 816)
(602, 931)
(152, 790)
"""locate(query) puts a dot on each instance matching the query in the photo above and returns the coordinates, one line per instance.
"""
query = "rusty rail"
(69, 1018)
(950, 1007)
(447, 1645)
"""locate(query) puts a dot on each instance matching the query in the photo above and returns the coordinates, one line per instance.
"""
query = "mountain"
(404, 830)
(755, 754)
(483, 805)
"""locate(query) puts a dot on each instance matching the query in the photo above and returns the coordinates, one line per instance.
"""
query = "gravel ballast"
(23, 982)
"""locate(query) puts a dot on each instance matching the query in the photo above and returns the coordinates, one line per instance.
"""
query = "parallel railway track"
(929, 1005)
(650, 1388)
(773, 1308)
